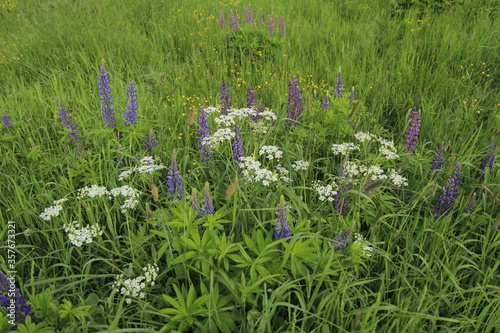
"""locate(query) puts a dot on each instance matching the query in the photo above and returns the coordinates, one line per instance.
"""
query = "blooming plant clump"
(134, 287)
(79, 236)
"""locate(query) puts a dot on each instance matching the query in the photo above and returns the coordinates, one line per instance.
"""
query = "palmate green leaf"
(30, 327)
(66, 310)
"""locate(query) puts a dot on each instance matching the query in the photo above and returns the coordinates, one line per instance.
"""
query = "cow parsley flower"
(271, 152)
(50, 212)
(344, 148)
(327, 192)
(94, 191)
(125, 191)
(300, 165)
(79, 236)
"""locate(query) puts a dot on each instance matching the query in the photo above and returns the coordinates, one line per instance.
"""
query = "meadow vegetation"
(227, 166)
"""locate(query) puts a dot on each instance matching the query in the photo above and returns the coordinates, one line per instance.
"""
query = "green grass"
(226, 272)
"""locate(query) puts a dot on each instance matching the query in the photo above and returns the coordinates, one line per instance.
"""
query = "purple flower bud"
(66, 121)
(237, 145)
(108, 113)
(208, 206)
(438, 160)
(338, 86)
(251, 97)
(131, 110)
(174, 180)
(295, 106)
(326, 102)
(6, 120)
(225, 99)
(249, 13)
(149, 141)
(234, 21)
(222, 21)
(450, 192)
(203, 131)
(411, 135)
(10, 296)
(282, 228)
(351, 95)
(271, 25)
(340, 241)
(488, 160)
(282, 27)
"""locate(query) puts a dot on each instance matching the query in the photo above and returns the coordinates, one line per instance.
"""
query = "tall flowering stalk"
(174, 180)
(6, 120)
(237, 145)
(249, 13)
(208, 205)
(234, 21)
(411, 135)
(251, 97)
(338, 86)
(282, 228)
(225, 99)
(13, 301)
(326, 102)
(108, 114)
(438, 160)
(340, 241)
(351, 95)
(131, 110)
(295, 105)
(67, 122)
(203, 131)
(271, 24)
(488, 160)
(149, 141)
(282, 27)
(222, 20)
(450, 192)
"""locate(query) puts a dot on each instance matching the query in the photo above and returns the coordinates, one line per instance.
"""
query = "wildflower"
(222, 20)
(225, 99)
(131, 110)
(438, 160)
(449, 192)
(300, 165)
(340, 241)
(488, 160)
(234, 21)
(150, 273)
(147, 166)
(195, 205)
(295, 105)
(66, 121)
(237, 145)
(351, 95)
(397, 179)
(50, 212)
(108, 113)
(251, 97)
(13, 301)
(126, 191)
(174, 180)
(271, 25)
(149, 141)
(251, 170)
(248, 11)
(271, 152)
(282, 228)
(365, 249)
(327, 192)
(208, 206)
(282, 27)
(6, 120)
(203, 131)
(342, 187)
(344, 148)
(81, 236)
(412, 130)
(94, 191)
(133, 287)
(326, 102)
(283, 174)
(338, 86)
(362, 137)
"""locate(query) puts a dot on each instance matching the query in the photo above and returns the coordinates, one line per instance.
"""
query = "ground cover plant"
(227, 166)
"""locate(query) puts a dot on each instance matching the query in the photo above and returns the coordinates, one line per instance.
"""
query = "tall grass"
(225, 272)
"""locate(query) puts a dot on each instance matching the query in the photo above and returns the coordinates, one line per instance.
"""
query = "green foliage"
(256, 45)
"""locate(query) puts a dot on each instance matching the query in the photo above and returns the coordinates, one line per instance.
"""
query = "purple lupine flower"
(340, 241)
(222, 20)
(10, 296)
(234, 21)
(203, 131)
(471, 205)
(131, 110)
(282, 228)
(271, 25)
(488, 160)
(295, 106)
(282, 27)
(248, 12)
(195, 205)
(326, 102)
(438, 160)
(251, 97)
(149, 141)
(6, 120)
(342, 187)
(66, 121)
(412, 130)
(261, 17)
(208, 205)
(449, 193)
(108, 114)
(338, 86)
(351, 95)
(225, 99)
(174, 180)
(237, 145)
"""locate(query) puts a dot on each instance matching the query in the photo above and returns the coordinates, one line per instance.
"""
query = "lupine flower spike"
(208, 206)
(351, 95)
(237, 145)
(438, 160)
(6, 120)
(412, 131)
(8, 297)
(450, 192)
(149, 141)
(340, 241)
(131, 112)
(203, 131)
(251, 97)
(108, 114)
(225, 99)
(488, 160)
(174, 180)
(338, 86)
(66, 121)
(326, 102)
(295, 106)
(282, 228)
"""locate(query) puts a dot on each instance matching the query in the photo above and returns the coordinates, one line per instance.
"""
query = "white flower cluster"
(125, 191)
(354, 170)
(134, 287)
(253, 172)
(147, 165)
(300, 165)
(229, 119)
(51, 211)
(83, 235)
(128, 204)
(271, 152)
(221, 135)
(94, 191)
(366, 249)
(283, 174)
(397, 179)
(327, 192)
(344, 148)
(362, 137)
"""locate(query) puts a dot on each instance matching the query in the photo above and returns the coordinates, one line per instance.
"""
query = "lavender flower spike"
(66, 121)
(108, 113)
(412, 130)
(450, 192)
(488, 160)
(222, 21)
(340, 241)
(351, 95)
(131, 112)
(6, 120)
(10, 297)
(237, 145)
(282, 228)
(149, 141)
(326, 102)
(203, 131)
(251, 97)
(208, 206)
(338, 86)
(225, 99)
(438, 160)
(174, 180)
(295, 106)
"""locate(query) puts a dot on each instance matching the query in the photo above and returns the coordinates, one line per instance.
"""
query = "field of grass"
(317, 166)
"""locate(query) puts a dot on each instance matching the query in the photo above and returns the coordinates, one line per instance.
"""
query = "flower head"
(488, 159)
(340, 241)
(326, 102)
(412, 130)
(450, 192)
(174, 180)
(149, 141)
(438, 160)
(108, 113)
(208, 206)
(66, 121)
(225, 99)
(282, 228)
(338, 86)
(131, 112)
(203, 131)
(295, 106)
(11, 296)
(237, 145)
(6, 120)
